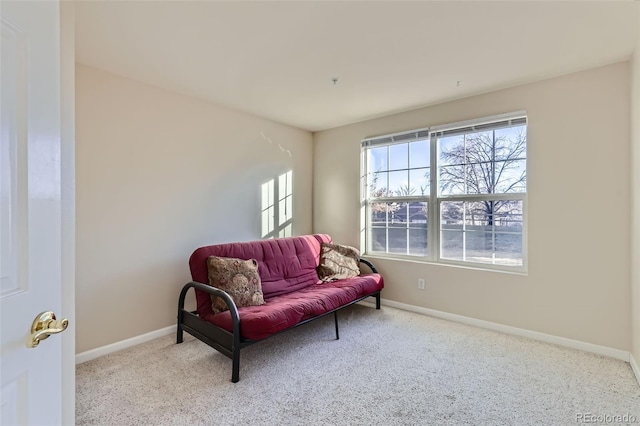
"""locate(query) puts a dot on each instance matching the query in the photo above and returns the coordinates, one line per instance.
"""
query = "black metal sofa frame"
(230, 343)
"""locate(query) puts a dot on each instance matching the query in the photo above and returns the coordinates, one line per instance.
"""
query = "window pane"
(398, 240)
(488, 162)
(399, 184)
(451, 230)
(419, 183)
(500, 213)
(508, 249)
(511, 143)
(377, 159)
(419, 154)
(479, 214)
(379, 214)
(478, 147)
(451, 150)
(451, 212)
(487, 231)
(378, 184)
(398, 214)
(508, 215)
(418, 240)
(399, 228)
(379, 239)
(478, 244)
(418, 213)
(399, 156)
(478, 178)
(452, 180)
(511, 176)
(452, 242)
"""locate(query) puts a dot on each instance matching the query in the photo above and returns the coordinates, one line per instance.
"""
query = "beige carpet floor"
(390, 367)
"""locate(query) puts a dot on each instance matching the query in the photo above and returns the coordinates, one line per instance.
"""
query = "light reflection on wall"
(277, 207)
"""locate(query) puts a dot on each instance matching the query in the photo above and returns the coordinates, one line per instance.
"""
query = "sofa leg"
(235, 371)
(335, 315)
(180, 334)
(378, 301)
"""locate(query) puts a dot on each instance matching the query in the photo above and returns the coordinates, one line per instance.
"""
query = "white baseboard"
(542, 337)
(123, 344)
(635, 367)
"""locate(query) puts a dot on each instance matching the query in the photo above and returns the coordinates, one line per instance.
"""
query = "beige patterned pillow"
(338, 262)
(237, 277)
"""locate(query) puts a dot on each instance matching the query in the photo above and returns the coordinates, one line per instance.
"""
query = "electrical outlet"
(421, 283)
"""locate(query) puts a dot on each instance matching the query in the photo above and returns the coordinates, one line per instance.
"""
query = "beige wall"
(635, 167)
(158, 175)
(579, 210)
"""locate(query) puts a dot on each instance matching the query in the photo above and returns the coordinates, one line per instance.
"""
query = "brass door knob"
(43, 326)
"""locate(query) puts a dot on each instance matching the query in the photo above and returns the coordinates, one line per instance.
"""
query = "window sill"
(522, 271)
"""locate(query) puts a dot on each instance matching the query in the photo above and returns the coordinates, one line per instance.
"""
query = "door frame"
(68, 216)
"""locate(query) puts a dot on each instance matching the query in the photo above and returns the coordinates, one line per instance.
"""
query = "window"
(451, 194)
(277, 206)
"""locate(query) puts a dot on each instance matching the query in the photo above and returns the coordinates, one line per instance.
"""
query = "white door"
(31, 214)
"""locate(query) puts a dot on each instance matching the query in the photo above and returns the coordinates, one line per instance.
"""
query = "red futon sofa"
(293, 294)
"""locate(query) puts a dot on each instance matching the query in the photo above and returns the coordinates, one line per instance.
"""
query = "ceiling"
(277, 59)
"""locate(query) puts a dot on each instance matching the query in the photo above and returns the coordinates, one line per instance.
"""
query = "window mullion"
(464, 232)
(365, 245)
(493, 161)
(386, 227)
(493, 232)
(464, 165)
(407, 236)
(387, 174)
(406, 228)
(412, 199)
(483, 197)
(433, 213)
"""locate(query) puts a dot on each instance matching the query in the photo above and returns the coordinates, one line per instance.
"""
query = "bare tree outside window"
(483, 163)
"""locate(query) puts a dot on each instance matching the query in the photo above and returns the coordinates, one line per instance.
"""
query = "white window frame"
(433, 199)
(393, 139)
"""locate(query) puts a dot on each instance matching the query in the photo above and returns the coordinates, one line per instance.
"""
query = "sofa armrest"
(370, 265)
(233, 309)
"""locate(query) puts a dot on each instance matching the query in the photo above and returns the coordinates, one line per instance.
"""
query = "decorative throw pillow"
(338, 262)
(237, 277)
